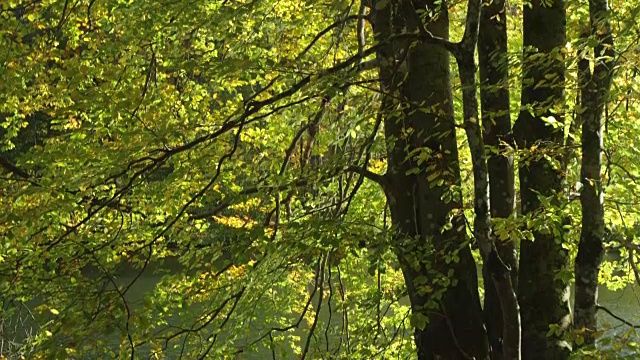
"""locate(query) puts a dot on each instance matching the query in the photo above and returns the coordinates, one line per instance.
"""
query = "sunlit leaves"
(135, 110)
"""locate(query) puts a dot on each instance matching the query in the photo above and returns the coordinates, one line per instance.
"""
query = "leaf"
(419, 321)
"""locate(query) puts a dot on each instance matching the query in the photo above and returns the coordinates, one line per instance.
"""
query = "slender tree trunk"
(496, 122)
(594, 90)
(543, 294)
(498, 273)
(422, 177)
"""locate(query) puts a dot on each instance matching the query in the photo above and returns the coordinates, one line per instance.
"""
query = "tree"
(422, 169)
(543, 295)
(594, 89)
(496, 121)
(301, 179)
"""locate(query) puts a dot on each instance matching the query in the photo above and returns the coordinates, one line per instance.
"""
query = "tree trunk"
(422, 179)
(496, 122)
(498, 273)
(543, 292)
(594, 90)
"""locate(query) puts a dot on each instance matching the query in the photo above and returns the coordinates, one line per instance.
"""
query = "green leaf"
(419, 321)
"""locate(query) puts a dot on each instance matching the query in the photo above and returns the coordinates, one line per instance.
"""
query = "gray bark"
(594, 89)
(543, 295)
(419, 120)
(496, 269)
(496, 122)
(499, 273)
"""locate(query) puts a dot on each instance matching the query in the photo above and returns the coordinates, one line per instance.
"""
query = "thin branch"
(328, 327)
(377, 178)
(329, 28)
(213, 338)
(14, 169)
(626, 322)
(452, 332)
(367, 156)
(322, 269)
(302, 315)
(345, 315)
(634, 266)
(426, 35)
(249, 191)
(368, 65)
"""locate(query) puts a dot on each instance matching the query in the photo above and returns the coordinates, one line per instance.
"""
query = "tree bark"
(496, 122)
(594, 89)
(543, 294)
(498, 273)
(422, 181)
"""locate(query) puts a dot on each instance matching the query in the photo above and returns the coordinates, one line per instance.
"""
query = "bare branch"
(377, 178)
(626, 322)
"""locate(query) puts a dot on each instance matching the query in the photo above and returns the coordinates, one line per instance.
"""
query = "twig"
(600, 307)
(322, 269)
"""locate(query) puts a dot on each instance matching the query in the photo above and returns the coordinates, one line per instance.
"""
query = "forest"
(332, 179)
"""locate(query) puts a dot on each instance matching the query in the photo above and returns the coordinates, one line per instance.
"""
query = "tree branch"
(360, 29)
(626, 322)
(426, 35)
(14, 169)
(377, 178)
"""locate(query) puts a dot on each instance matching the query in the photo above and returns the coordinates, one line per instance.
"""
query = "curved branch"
(322, 269)
(359, 17)
(626, 322)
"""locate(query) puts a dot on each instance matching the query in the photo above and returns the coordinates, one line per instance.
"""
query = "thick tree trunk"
(594, 89)
(543, 294)
(496, 122)
(422, 175)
